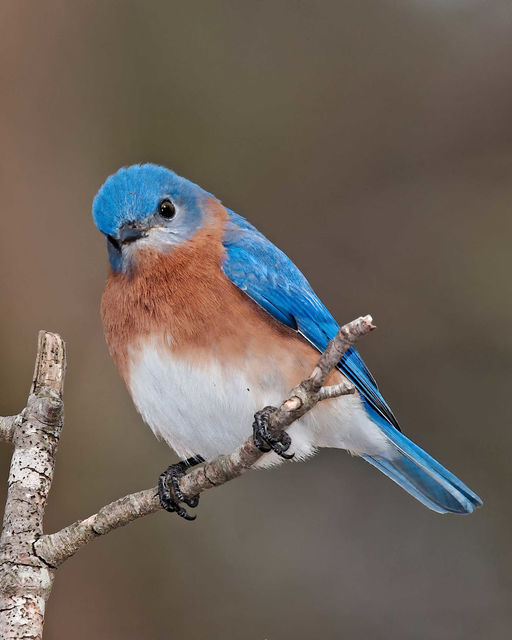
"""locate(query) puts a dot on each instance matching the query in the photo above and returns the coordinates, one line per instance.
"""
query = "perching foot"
(264, 440)
(169, 488)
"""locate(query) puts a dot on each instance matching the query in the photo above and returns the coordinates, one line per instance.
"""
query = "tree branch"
(55, 548)
(25, 581)
(7, 425)
(28, 559)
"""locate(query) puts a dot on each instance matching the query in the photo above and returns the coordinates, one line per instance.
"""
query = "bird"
(208, 322)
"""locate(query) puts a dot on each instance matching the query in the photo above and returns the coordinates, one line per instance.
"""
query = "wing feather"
(270, 278)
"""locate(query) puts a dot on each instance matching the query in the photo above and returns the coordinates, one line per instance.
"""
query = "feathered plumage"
(204, 300)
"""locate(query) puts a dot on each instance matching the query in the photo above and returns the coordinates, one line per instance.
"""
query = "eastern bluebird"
(208, 322)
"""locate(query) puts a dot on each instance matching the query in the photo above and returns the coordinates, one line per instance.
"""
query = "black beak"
(129, 234)
(113, 244)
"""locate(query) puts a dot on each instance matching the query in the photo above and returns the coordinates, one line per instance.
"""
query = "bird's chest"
(198, 356)
(183, 294)
(200, 403)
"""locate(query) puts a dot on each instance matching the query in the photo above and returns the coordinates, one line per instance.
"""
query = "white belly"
(208, 408)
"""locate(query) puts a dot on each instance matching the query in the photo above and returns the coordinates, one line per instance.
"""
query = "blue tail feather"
(272, 281)
(422, 476)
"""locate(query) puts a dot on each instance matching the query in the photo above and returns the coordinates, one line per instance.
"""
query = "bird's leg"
(266, 441)
(169, 488)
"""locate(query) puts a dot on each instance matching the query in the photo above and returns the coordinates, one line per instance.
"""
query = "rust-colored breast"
(185, 298)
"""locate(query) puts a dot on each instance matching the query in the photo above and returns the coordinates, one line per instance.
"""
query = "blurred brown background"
(372, 141)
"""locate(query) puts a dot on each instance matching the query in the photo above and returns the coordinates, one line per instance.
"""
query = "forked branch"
(57, 547)
(28, 558)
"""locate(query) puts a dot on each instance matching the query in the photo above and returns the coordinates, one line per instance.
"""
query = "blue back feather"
(272, 280)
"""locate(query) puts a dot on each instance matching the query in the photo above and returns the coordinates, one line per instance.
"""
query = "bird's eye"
(166, 209)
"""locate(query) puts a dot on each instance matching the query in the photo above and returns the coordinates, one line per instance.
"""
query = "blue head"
(146, 206)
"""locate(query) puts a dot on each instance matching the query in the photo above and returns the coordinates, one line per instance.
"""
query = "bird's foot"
(266, 441)
(169, 490)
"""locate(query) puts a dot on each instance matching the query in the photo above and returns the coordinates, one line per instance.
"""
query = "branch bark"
(57, 547)
(25, 580)
(7, 425)
(28, 558)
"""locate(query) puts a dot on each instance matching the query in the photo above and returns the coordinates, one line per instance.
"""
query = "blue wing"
(270, 278)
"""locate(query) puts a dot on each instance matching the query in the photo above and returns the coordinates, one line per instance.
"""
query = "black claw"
(264, 440)
(169, 488)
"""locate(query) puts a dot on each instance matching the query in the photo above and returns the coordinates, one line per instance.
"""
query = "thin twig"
(336, 390)
(57, 547)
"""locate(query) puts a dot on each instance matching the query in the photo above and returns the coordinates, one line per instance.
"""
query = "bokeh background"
(372, 141)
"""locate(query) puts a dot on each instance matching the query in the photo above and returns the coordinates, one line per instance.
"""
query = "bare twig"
(336, 390)
(57, 547)
(28, 559)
